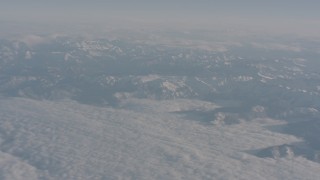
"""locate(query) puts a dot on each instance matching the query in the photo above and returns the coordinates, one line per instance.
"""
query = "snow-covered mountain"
(77, 108)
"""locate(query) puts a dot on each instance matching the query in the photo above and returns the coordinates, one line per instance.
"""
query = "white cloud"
(32, 40)
(28, 55)
(277, 46)
(7, 53)
(67, 56)
(67, 140)
(12, 167)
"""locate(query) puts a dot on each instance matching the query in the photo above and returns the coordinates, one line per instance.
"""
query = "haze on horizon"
(292, 16)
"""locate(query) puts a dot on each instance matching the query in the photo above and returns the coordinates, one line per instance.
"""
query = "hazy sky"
(285, 13)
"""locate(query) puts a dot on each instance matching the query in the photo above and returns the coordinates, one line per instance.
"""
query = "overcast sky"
(285, 13)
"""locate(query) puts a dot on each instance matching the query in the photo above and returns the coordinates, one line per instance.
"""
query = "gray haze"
(291, 16)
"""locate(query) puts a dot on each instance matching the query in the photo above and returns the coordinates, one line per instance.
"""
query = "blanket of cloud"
(68, 140)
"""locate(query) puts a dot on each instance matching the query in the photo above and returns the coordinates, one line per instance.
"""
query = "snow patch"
(151, 77)
(169, 86)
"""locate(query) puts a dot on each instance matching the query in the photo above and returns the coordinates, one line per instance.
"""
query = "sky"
(272, 13)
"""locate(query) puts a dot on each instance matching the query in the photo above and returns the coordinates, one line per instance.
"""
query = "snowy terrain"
(175, 108)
